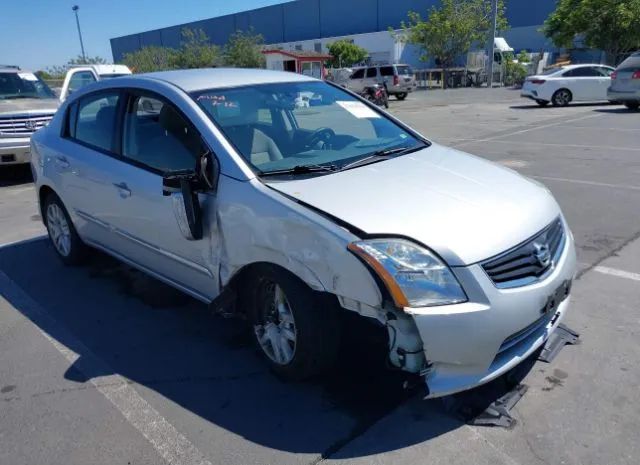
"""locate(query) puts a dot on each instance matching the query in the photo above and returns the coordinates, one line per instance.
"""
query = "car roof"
(209, 78)
(582, 65)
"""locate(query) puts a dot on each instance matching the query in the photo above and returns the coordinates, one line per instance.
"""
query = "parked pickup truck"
(81, 75)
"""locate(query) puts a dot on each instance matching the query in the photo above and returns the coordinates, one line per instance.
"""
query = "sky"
(35, 34)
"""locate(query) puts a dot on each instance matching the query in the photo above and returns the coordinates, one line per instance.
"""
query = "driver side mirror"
(183, 188)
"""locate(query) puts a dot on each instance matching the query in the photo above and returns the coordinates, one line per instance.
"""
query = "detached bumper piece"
(558, 339)
(498, 413)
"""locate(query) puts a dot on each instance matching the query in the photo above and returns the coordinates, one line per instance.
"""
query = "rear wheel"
(632, 105)
(297, 336)
(62, 233)
(401, 96)
(561, 98)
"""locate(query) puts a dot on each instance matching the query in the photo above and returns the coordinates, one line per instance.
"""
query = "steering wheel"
(323, 135)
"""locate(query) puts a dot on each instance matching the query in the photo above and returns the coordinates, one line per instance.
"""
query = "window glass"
(372, 72)
(358, 74)
(80, 79)
(386, 70)
(604, 71)
(158, 136)
(404, 70)
(23, 85)
(264, 116)
(328, 125)
(586, 71)
(96, 120)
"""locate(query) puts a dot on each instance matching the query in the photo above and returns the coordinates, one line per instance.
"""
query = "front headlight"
(414, 276)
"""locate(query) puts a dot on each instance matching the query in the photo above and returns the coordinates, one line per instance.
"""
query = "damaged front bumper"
(468, 344)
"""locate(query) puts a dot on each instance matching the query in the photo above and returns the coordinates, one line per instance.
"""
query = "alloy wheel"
(277, 333)
(59, 229)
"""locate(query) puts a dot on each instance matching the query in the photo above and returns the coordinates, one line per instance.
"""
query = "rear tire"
(401, 96)
(63, 235)
(632, 105)
(561, 98)
(296, 330)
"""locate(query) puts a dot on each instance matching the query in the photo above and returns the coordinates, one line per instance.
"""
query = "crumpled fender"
(257, 224)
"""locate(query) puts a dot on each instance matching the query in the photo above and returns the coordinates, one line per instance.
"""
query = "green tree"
(149, 59)
(244, 50)
(609, 25)
(345, 53)
(451, 29)
(195, 51)
(79, 60)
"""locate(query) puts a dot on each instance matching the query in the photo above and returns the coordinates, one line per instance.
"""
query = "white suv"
(398, 79)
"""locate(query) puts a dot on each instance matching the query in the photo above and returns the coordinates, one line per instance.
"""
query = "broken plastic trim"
(558, 339)
(498, 413)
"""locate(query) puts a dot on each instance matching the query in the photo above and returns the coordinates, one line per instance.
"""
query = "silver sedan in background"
(216, 182)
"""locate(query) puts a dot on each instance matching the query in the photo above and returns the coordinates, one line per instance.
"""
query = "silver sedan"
(219, 183)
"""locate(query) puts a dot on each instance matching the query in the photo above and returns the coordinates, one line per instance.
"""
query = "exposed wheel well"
(241, 279)
(42, 195)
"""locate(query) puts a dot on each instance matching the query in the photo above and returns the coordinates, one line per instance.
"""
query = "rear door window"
(95, 123)
(372, 72)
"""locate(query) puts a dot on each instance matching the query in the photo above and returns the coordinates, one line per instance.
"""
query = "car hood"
(463, 207)
(28, 106)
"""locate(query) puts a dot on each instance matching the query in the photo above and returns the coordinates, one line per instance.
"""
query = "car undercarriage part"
(405, 345)
(498, 413)
(558, 339)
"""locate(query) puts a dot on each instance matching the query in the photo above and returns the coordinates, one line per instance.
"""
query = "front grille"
(529, 261)
(22, 125)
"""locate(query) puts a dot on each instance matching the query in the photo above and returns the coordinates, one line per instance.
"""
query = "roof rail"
(10, 66)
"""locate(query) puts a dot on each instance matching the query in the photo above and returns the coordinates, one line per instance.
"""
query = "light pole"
(75, 9)
(491, 41)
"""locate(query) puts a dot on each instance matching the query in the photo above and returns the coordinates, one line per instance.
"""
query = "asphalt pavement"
(101, 364)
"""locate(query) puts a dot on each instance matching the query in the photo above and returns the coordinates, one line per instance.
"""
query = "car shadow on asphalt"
(535, 106)
(15, 175)
(618, 109)
(167, 342)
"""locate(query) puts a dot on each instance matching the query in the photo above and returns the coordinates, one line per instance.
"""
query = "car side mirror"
(183, 188)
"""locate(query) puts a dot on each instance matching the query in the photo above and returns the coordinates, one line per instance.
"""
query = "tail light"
(396, 80)
(614, 75)
(537, 81)
(636, 75)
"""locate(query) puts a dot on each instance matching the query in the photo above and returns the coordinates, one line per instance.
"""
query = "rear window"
(386, 70)
(404, 70)
(630, 64)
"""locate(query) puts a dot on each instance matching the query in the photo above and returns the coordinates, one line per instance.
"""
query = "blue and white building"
(312, 24)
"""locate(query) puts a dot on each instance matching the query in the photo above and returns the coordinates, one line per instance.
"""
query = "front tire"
(401, 96)
(632, 105)
(295, 333)
(561, 98)
(63, 235)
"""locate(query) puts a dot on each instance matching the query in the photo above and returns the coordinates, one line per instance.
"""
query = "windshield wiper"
(380, 155)
(301, 169)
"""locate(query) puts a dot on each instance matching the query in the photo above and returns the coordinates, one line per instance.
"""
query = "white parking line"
(170, 444)
(588, 183)
(618, 273)
(547, 144)
(535, 128)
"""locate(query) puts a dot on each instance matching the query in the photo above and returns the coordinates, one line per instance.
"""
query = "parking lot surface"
(100, 364)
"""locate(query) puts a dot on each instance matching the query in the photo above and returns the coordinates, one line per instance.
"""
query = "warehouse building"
(309, 25)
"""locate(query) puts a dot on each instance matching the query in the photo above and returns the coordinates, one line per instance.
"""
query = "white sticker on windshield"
(28, 76)
(358, 109)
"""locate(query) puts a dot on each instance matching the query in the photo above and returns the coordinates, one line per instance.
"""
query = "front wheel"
(295, 333)
(401, 96)
(632, 105)
(63, 235)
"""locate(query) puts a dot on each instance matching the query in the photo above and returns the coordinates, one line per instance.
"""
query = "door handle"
(62, 162)
(123, 189)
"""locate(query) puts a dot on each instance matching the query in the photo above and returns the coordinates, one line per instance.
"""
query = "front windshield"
(283, 126)
(23, 85)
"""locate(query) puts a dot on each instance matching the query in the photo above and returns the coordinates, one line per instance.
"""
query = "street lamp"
(75, 9)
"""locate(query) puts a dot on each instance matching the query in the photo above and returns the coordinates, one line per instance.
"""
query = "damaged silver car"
(221, 184)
